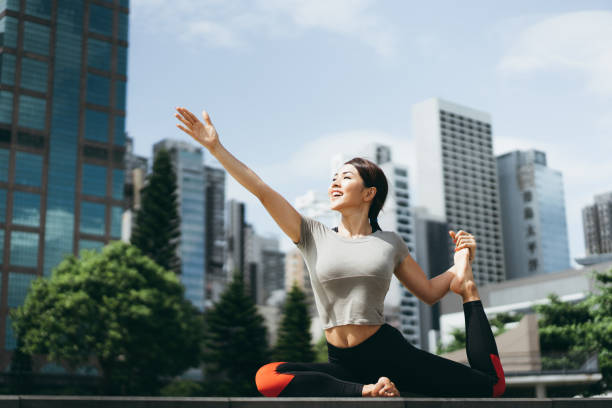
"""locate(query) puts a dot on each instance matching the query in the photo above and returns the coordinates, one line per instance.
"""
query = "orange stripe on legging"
(269, 382)
(500, 385)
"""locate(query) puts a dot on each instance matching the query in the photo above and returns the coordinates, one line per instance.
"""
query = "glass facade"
(96, 125)
(34, 75)
(26, 209)
(93, 180)
(58, 164)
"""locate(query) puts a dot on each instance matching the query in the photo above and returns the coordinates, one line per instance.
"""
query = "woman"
(350, 269)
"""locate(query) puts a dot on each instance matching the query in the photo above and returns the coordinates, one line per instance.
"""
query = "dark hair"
(372, 176)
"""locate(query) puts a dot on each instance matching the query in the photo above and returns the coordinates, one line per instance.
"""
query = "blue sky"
(290, 83)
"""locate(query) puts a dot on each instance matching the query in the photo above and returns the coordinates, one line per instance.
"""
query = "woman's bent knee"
(270, 382)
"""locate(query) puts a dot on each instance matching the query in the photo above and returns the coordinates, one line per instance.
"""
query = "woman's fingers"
(179, 117)
(191, 116)
(206, 117)
(184, 114)
(189, 132)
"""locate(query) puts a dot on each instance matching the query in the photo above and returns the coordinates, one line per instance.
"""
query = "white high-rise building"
(457, 178)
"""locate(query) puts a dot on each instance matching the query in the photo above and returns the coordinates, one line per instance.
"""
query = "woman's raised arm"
(287, 217)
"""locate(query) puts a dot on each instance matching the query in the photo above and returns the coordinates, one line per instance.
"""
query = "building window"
(96, 125)
(401, 184)
(528, 213)
(121, 60)
(123, 26)
(38, 8)
(7, 69)
(8, 31)
(6, 106)
(527, 196)
(32, 112)
(533, 265)
(26, 209)
(92, 218)
(33, 74)
(18, 286)
(116, 213)
(4, 164)
(120, 95)
(24, 249)
(118, 182)
(101, 20)
(36, 38)
(28, 169)
(99, 54)
(10, 342)
(119, 139)
(98, 90)
(93, 180)
(2, 205)
(401, 172)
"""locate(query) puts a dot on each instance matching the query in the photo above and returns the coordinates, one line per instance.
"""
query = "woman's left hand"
(462, 240)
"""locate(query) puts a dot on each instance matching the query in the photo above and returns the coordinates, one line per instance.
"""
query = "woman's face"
(347, 189)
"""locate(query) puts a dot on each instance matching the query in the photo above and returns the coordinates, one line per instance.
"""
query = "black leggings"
(387, 353)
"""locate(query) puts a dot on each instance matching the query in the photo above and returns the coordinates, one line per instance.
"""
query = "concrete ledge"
(37, 401)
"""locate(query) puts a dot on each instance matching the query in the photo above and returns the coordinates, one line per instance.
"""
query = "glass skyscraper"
(63, 67)
(191, 190)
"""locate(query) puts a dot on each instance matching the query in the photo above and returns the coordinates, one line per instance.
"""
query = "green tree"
(320, 350)
(294, 338)
(235, 343)
(156, 230)
(497, 323)
(119, 307)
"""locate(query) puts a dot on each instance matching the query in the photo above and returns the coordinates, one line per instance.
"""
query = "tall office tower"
(235, 238)
(533, 214)
(430, 249)
(401, 306)
(597, 226)
(191, 185)
(62, 115)
(135, 177)
(216, 274)
(457, 178)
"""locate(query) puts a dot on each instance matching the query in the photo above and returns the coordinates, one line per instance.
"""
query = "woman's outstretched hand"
(204, 133)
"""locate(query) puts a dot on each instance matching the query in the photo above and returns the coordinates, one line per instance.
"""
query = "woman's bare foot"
(383, 388)
(463, 282)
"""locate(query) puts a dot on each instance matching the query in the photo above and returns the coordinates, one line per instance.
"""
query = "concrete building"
(597, 226)
(191, 186)
(217, 275)
(235, 255)
(532, 205)
(136, 170)
(62, 127)
(457, 178)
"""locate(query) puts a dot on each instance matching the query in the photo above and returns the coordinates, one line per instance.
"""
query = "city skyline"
(290, 84)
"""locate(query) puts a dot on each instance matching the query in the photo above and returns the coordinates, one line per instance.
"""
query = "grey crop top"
(349, 276)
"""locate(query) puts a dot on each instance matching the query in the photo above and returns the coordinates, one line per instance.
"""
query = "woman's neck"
(354, 224)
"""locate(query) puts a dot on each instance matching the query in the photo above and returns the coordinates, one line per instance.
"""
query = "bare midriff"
(350, 335)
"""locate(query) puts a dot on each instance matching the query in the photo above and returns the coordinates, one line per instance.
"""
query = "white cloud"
(225, 24)
(577, 41)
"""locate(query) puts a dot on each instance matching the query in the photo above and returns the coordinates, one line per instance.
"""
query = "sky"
(290, 83)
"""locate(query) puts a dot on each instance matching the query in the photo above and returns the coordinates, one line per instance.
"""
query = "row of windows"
(450, 115)
(37, 8)
(32, 110)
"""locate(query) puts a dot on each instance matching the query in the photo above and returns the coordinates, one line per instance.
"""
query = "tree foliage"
(156, 230)
(235, 343)
(571, 332)
(320, 349)
(294, 338)
(119, 307)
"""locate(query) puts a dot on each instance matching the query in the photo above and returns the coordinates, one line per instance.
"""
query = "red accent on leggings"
(500, 386)
(269, 382)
